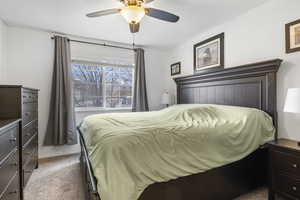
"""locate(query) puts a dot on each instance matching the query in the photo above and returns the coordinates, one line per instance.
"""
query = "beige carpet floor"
(60, 179)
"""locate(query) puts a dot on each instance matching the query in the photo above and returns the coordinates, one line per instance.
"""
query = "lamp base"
(298, 144)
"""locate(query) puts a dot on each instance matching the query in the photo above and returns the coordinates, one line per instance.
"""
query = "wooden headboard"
(252, 85)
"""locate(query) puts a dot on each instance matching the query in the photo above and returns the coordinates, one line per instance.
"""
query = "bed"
(252, 86)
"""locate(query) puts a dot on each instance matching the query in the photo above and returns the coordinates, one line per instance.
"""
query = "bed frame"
(252, 85)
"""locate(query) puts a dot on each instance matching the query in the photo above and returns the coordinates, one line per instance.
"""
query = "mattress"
(130, 151)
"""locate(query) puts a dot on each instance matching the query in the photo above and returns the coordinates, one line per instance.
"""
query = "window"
(103, 86)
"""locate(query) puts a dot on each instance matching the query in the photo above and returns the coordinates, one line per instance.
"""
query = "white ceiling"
(68, 16)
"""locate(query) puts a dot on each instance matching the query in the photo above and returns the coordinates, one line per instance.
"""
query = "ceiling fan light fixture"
(133, 14)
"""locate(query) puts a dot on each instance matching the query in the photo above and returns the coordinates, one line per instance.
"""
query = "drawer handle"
(295, 166)
(27, 113)
(294, 188)
(14, 192)
(13, 139)
(15, 164)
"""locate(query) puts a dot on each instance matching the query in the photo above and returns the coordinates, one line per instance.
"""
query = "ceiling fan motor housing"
(132, 2)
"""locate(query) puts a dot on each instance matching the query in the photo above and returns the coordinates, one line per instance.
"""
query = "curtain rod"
(99, 44)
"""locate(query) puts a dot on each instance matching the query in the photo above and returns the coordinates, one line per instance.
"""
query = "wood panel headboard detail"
(251, 85)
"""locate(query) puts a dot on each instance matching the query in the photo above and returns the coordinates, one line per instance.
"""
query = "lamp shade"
(292, 101)
(165, 99)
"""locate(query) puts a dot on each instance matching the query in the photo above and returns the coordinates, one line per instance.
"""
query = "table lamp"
(292, 102)
(166, 99)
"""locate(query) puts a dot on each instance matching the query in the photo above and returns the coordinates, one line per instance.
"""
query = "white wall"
(3, 28)
(255, 36)
(155, 60)
(30, 63)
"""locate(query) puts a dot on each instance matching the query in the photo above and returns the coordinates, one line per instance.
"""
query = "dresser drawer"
(29, 148)
(13, 190)
(29, 167)
(8, 141)
(31, 107)
(285, 162)
(29, 131)
(8, 169)
(29, 96)
(28, 116)
(287, 185)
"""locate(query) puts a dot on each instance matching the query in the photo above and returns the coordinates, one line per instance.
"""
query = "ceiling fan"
(134, 11)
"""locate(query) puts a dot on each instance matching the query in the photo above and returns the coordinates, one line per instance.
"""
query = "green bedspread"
(130, 151)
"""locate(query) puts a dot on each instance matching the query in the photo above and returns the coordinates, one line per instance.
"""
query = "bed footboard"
(89, 181)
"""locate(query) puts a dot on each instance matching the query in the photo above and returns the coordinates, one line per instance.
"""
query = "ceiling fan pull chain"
(133, 40)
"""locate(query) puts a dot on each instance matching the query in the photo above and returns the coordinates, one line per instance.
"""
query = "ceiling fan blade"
(162, 15)
(104, 12)
(134, 28)
(148, 1)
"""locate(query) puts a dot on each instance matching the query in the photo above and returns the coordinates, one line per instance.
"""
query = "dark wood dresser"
(9, 160)
(21, 102)
(285, 169)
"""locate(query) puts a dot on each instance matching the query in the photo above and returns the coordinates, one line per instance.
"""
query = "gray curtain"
(140, 100)
(61, 125)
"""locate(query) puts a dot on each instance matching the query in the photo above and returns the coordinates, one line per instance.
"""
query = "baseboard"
(47, 159)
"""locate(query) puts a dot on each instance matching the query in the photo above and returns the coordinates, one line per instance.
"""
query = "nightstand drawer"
(287, 185)
(285, 162)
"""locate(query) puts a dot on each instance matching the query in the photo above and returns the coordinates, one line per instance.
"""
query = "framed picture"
(175, 69)
(209, 54)
(292, 36)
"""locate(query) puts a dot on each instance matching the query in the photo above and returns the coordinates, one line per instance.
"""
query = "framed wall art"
(292, 36)
(209, 54)
(176, 68)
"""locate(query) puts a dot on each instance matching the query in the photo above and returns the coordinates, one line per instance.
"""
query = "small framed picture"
(292, 36)
(175, 68)
(209, 54)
